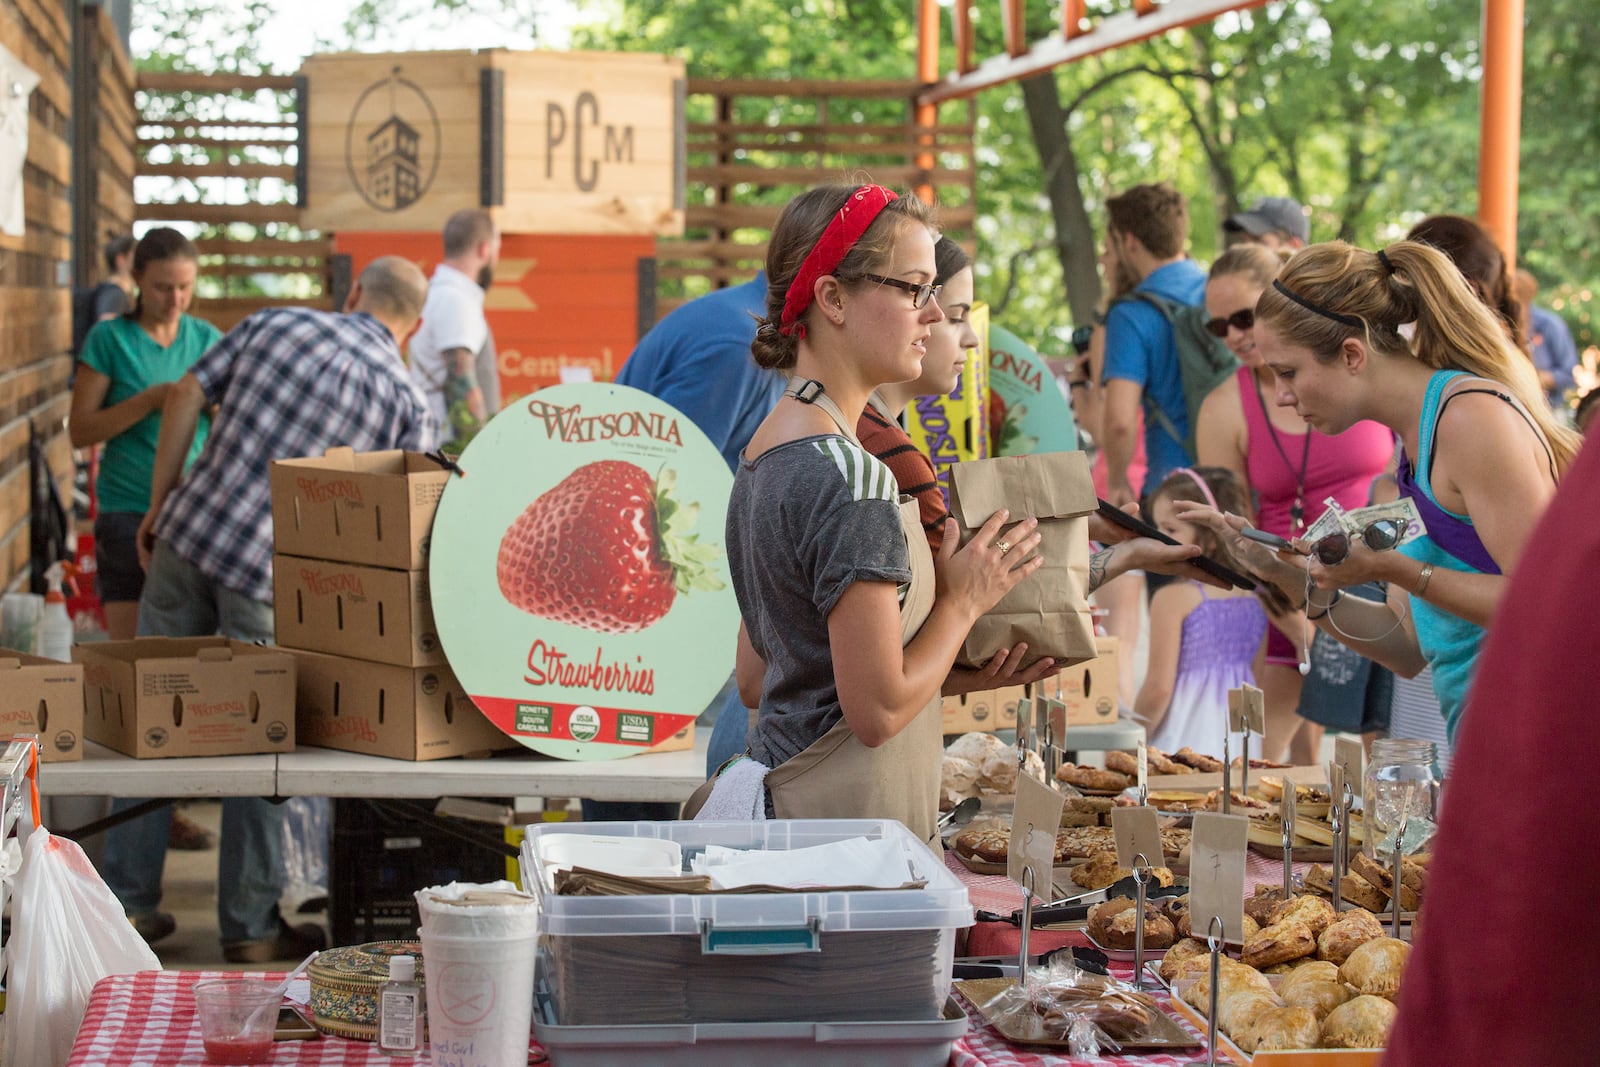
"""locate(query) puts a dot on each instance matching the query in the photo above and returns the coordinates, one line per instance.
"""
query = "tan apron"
(836, 776)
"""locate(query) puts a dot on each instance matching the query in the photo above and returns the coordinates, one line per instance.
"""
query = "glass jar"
(1401, 783)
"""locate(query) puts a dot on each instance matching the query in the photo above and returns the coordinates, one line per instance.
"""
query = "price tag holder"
(1137, 833)
(1347, 753)
(1286, 810)
(1143, 758)
(1034, 821)
(1236, 711)
(1216, 873)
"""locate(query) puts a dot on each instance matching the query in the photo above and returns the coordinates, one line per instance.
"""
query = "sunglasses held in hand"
(1380, 536)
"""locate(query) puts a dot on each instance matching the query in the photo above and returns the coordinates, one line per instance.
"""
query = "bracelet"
(1338, 595)
(1424, 576)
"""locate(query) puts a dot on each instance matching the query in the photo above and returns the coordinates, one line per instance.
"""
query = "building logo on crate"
(66, 741)
(277, 731)
(391, 145)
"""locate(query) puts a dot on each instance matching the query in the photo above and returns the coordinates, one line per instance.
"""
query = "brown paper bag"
(1049, 609)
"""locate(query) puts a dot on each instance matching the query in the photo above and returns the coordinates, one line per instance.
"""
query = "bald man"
(285, 382)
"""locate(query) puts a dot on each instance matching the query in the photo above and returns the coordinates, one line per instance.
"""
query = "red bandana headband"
(844, 230)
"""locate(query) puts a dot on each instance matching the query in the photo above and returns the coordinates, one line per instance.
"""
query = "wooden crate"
(547, 142)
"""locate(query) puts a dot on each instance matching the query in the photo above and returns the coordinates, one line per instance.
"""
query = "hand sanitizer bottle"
(400, 1009)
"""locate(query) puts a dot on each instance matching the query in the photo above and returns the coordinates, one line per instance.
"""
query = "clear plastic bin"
(807, 956)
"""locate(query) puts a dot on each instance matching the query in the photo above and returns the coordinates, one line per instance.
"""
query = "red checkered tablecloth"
(148, 1020)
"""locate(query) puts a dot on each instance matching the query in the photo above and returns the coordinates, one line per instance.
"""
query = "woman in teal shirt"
(124, 371)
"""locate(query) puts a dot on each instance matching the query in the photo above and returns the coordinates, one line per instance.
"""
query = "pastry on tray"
(1279, 944)
(1175, 840)
(1237, 1011)
(1354, 929)
(1234, 977)
(1081, 842)
(1241, 803)
(1176, 801)
(1266, 900)
(1307, 970)
(1382, 879)
(1352, 888)
(1375, 968)
(1096, 778)
(1320, 996)
(1102, 870)
(1187, 954)
(1161, 763)
(1120, 931)
(1359, 1023)
(1305, 908)
(1288, 1027)
(992, 844)
(1089, 805)
(1123, 763)
(1251, 928)
(1199, 761)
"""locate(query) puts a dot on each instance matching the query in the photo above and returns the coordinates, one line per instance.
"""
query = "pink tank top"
(1306, 467)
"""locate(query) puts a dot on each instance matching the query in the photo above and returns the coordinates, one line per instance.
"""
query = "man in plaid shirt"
(285, 382)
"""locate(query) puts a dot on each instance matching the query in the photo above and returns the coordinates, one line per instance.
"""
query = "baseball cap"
(1272, 213)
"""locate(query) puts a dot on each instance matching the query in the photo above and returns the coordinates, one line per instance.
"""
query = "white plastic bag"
(67, 932)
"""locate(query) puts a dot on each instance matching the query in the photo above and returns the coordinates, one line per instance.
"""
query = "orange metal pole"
(927, 115)
(1500, 118)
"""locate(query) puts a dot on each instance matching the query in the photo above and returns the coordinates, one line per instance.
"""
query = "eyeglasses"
(1380, 536)
(1240, 320)
(920, 294)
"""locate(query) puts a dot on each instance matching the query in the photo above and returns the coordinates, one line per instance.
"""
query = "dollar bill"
(1402, 510)
(1328, 522)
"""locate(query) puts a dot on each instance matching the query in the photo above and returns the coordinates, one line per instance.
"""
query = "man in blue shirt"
(1550, 343)
(1147, 229)
(698, 360)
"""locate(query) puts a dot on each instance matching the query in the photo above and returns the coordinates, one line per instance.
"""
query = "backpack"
(1204, 363)
(84, 302)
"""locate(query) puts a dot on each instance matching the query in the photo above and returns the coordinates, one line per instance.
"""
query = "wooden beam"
(1113, 32)
(186, 82)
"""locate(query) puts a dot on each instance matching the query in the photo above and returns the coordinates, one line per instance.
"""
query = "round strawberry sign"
(578, 576)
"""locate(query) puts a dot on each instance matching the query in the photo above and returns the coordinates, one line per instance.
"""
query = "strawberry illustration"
(607, 549)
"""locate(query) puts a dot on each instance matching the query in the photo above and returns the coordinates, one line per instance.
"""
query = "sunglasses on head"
(1380, 536)
(1241, 320)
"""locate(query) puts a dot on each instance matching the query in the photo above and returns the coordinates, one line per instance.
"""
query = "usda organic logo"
(584, 725)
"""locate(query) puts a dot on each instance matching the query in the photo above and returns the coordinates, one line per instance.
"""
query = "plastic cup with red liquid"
(237, 1016)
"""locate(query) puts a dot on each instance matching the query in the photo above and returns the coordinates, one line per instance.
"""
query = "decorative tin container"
(345, 983)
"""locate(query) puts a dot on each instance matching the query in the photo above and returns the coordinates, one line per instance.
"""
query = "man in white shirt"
(445, 351)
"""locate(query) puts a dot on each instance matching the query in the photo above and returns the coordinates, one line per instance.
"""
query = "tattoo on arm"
(1097, 567)
(461, 383)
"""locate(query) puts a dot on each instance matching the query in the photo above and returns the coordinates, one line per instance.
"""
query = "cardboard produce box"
(373, 508)
(349, 610)
(45, 697)
(409, 713)
(187, 696)
(985, 711)
(1089, 690)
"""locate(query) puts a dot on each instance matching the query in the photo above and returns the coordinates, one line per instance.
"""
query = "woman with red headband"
(850, 628)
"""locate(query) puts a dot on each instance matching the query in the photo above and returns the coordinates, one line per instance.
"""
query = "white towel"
(739, 794)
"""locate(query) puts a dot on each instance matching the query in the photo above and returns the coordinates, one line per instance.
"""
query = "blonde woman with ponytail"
(1399, 337)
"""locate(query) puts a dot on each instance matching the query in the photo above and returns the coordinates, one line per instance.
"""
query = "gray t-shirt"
(806, 519)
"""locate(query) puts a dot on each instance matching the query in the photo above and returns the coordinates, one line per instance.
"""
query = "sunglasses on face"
(920, 294)
(1240, 320)
(1381, 536)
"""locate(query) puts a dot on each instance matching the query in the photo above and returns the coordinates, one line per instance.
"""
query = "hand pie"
(1190, 952)
(1307, 971)
(1278, 944)
(1251, 928)
(1280, 1028)
(1237, 1011)
(1235, 977)
(1375, 967)
(1313, 911)
(1360, 1023)
(1352, 931)
(1320, 996)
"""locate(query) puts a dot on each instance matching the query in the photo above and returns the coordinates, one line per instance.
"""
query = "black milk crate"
(385, 850)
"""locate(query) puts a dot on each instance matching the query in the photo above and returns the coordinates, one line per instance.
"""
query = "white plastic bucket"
(480, 1000)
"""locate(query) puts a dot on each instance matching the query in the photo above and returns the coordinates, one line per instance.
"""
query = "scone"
(1313, 911)
(1287, 1027)
(1121, 932)
(1278, 944)
(1359, 1023)
(1374, 968)
(1321, 997)
(1354, 929)
(1102, 871)
(1100, 916)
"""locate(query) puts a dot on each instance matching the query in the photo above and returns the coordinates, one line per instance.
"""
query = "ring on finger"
(1003, 546)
